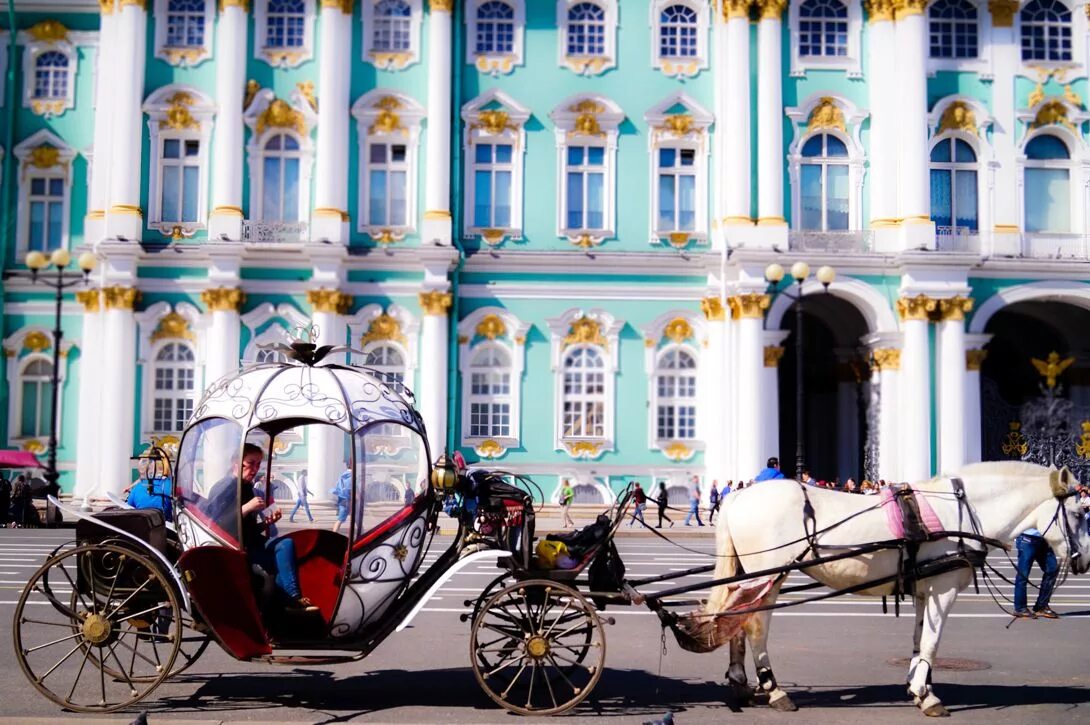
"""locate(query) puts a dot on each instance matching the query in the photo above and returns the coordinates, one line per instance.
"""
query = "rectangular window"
(586, 186)
(1048, 200)
(181, 177)
(493, 173)
(387, 185)
(46, 207)
(37, 398)
(677, 190)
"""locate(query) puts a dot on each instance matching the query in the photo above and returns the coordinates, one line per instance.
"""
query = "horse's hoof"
(936, 710)
(783, 704)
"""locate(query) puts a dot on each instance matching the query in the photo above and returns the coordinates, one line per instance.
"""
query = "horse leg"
(939, 603)
(757, 633)
(739, 693)
(920, 606)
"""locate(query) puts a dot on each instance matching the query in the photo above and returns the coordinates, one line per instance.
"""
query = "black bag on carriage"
(148, 525)
(580, 541)
(606, 573)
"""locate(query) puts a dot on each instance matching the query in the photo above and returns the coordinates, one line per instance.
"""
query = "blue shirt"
(1032, 531)
(343, 489)
(768, 474)
(158, 497)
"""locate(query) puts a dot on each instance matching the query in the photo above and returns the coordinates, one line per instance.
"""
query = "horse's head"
(1063, 523)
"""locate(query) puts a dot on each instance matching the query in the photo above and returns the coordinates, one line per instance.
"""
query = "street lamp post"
(59, 281)
(774, 274)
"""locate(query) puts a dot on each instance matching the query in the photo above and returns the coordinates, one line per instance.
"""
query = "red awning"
(19, 459)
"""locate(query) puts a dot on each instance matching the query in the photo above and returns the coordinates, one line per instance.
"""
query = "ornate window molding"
(29, 353)
(981, 63)
(586, 128)
(391, 32)
(487, 390)
(49, 66)
(268, 324)
(45, 193)
(180, 128)
(388, 128)
(587, 41)
(495, 34)
(284, 31)
(966, 119)
(388, 340)
(679, 36)
(584, 351)
(1062, 120)
(280, 129)
(841, 119)
(679, 146)
(183, 31)
(169, 344)
(494, 139)
(673, 336)
(852, 61)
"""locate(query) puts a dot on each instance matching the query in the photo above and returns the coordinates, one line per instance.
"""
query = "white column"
(735, 125)
(226, 217)
(124, 219)
(951, 413)
(88, 435)
(223, 336)
(711, 404)
(750, 309)
(974, 358)
(1006, 60)
(915, 387)
(330, 217)
(434, 338)
(882, 175)
(911, 90)
(770, 398)
(326, 449)
(98, 191)
(117, 382)
(437, 221)
(887, 366)
(770, 151)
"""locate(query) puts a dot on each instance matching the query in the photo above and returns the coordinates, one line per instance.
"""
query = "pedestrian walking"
(301, 499)
(663, 502)
(5, 501)
(1032, 548)
(640, 500)
(342, 492)
(21, 500)
(715, 497)
(567, 497)
(694, 504)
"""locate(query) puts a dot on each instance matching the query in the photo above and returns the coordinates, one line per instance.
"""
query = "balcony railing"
(1046, 245)
(956, 239)
(263, 232)
(811, 241)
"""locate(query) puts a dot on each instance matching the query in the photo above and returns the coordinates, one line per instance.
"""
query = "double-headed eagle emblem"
(1052, 368)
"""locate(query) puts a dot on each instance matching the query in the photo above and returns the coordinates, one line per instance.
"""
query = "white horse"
(756, 523)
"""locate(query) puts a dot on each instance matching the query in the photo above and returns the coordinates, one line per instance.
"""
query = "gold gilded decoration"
(491, 326)
(974, 359)
(280, 114)
(581, 64)
(490, 449)
(954, 308)
(878, 10)
(770, 9)
(493, 122)
(735, 9)
(173, 326)
(442, 6)
(1082, 448)
(178, 116)
(958, 116)
(586, 331)
(47, 108)
(44, 156)
(1072, 97)
(826, 114)
(905, 8)
(383, 327)
(648, 342)
(713, 309)
(1002, 12)
(1052, 112)
(386, 60)
(252, 87)
(223, 299)
(329, 300)
(48, 31)
(679, 124)
(887, 358)
(678, 240)
(1052, 368)
(180, 56)
(678, 330)
(345, 6)
(435, 302)
(89, 298)
(1015, 444)
(751, 305)
(492, 237)
(919, 307)
(34, 446)
(106, 6)
(37, 341)
(520, 340)
(585, 241)
(773, 355)
(584, 449)
(678, 451)
(586, 124)
(244, 4)
(493, 65)
(386, 237)
(387, 120)
(306, 90)
(126, 210)
(120, 298)
(137, 3)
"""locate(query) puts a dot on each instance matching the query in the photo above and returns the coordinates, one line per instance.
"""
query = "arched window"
(954, 185)
(824, 184)
(388, 362)
(1046, 31)
(37, 394)
(495, 28)
(51, 76)
(823, 29)
(584, 394)
(678, 28)
(586, 30)
(1047, 185)
(675, 384)
(285, 24)
(185, 23)
(280, 178)
(490, 393)
(392, 26)
(953, 29)
(270, 356)
(174, 393)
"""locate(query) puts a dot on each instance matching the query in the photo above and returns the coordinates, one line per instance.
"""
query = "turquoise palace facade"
(552, 220)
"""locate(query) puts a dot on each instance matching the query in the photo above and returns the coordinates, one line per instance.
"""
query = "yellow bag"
(548, 552)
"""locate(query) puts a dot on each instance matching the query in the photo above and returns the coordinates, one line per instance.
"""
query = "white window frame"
(387, 59)
(179, 113)
(1077, 166)
(52, 105)
(29, 160)
(269, 324)
(588, 65)
(18, 356)
(667, 132)
(955, 166)
(503, 126)
(982, 63)
(690, 66)
(189, 55)
(656, 400)
(21, 378)
(496, 375)
(300, 126)
(385, 116)
(985, 153)
(512, 339)
(495, 63)
(282, 57)
(587, 120)
(148, 350)
(660, 335)
(174, 394)
(824, 161)
(852, 63)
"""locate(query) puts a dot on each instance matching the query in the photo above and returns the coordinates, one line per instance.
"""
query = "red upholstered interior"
(389, 524)
(320, 556)
(219, 582)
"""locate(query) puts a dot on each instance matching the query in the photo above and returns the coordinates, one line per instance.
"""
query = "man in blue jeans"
(1032, 547)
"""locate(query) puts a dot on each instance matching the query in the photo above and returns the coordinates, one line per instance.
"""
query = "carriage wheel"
(83, 607)
(537, 647)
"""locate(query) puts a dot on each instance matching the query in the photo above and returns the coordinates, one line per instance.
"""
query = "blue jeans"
(1033, 549)
(278, 558)
(638, 514)
(694, 510)
(306, 507)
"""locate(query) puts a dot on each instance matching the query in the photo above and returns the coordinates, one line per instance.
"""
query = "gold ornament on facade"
(173, 326)
(586, 123)
(383, 327)
(826, 114)
(678, 451)
(770, 9)
(585, 331)
(905, 8)
(1052, 368)
(34, 446)
(106, 7)
(89, 298)
(520, 340)
(751, 305)
(713, 309)
(920, 307)
(954, 308)
(223, 299)
(974, 359)
(47, 108)
(345, 6)
(120, 298)
(136, 3)
(183, 56)
(280, 114)
(1072, 97)
(490, 449)
(958, 116)
(1082, 448)
(887, 358)
(178, 117)
(585, 241)
(441, 6)
(583, 449)
(48, 31)
(773, 355)
(734, 9)
(491, 326)
(493, 237)
(494, 122)
(329, 300)
(306, 90)
(252, 87)
(678, 124)
(678, 330)
(44, 156)
(37, 341)
(244, 4)
(435, 302)
(387, 120)
(678, 240)
(1015, 444)
(878, 10)
(583, 65)
(1053, 112)
(1002, 12)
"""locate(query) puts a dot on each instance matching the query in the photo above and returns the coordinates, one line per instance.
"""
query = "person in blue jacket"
(153, 489)
(770, 471)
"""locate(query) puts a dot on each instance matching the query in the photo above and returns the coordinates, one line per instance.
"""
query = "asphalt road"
(838, 659)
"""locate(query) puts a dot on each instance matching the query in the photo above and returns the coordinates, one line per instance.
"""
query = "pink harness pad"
(893, 513)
